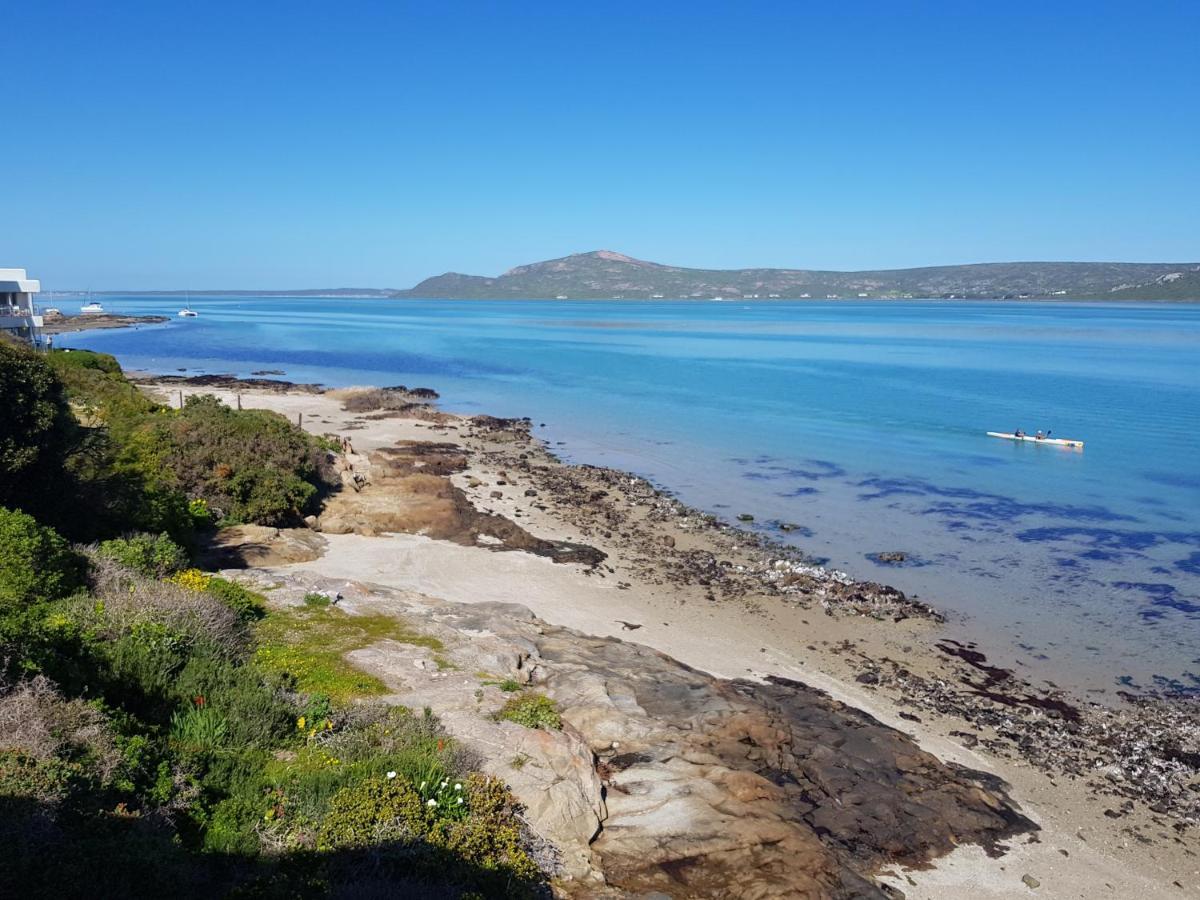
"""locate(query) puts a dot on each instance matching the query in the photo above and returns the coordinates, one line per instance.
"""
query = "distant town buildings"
(17, 315)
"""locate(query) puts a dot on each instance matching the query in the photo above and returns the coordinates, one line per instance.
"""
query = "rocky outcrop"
(244, 546)
(407, 489)
(665, 779)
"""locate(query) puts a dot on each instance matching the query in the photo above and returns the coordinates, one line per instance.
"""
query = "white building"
(16, 304)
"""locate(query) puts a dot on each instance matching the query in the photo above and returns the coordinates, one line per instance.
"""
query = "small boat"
(1057, 442)
(188, 313)
(92, 307)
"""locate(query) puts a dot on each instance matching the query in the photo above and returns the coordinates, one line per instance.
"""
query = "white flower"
(391, 775)
(431, 803)
(458, 787)
(460, 801)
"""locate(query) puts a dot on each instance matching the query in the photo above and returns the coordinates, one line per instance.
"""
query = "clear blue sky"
(294, 144)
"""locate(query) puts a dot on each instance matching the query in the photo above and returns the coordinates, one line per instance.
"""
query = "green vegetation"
(311, 641)
(245, 604)
(146, 553)
(508, 685)
(161, 732)
(100, 444)
(532, 711)
(314, 599)
(36, 430)
(35, 562)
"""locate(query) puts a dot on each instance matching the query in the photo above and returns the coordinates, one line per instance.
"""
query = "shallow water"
(863, 422)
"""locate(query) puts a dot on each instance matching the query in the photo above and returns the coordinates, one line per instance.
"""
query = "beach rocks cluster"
(407, 489)
(667, 541)
(233, 383)
(1144, 753)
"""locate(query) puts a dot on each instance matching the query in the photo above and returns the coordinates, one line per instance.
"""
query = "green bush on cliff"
(248, 605)
(150, 554)
(253, 465)
(36, 428)
(165, 469)
(481, 851)
(36, 564)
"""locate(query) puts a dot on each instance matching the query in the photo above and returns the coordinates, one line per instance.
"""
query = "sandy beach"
(727, 603)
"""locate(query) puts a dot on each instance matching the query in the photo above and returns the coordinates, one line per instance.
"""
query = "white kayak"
(1058, 442)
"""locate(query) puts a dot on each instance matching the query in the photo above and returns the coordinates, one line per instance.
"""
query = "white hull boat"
(1057, 442)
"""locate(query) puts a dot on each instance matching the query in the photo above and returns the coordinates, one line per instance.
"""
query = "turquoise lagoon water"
(863, 422)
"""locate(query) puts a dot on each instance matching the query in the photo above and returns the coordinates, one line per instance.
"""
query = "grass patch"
(314, 599)
(310, 644)
(532, 711)
(508, 685)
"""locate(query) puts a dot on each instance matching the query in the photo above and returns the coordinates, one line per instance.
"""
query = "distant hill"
(603, 274)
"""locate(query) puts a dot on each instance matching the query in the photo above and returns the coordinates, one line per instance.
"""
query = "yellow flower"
(300, 724)
(193, 579)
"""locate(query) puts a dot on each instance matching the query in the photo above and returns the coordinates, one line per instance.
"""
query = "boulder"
(243, 546)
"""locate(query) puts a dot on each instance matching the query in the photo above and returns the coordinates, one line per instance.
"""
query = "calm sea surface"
(863, 422)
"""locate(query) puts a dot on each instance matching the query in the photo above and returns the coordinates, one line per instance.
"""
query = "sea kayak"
(1057, 442)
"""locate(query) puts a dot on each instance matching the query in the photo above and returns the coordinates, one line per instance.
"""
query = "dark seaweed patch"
(969, 503)
(799, 492)
(1174, 479)
(1191, 564)
(1116, 543)
(1162, 597)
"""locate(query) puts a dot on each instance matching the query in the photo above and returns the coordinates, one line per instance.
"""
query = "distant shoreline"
(307, 295)
(60, 324)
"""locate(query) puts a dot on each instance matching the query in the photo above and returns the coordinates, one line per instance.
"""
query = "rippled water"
(861, 422)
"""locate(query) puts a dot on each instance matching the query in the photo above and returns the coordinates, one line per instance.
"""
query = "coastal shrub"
(247, 605)
(201, 513)
(100, 392)
(66, 360)
(37, 722)
(482, 850)
(123, 488)
(257, 709)
(36, 428)
(129, 600)
(532, 711)
(36, 563)
(330, 443)
(378, 811)
(313, 598)
(199, 728)
(253, 464)
(153, 555)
